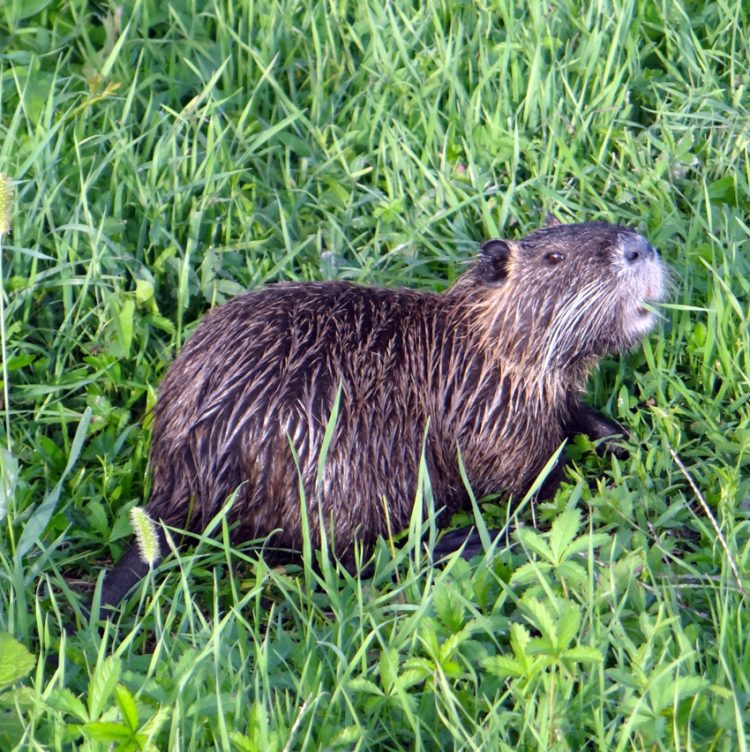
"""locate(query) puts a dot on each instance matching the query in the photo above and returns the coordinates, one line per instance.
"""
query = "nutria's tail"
(126, 574)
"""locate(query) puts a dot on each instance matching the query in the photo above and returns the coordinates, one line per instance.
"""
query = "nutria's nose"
(635, 247)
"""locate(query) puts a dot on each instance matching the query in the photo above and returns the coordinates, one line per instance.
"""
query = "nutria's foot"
(598, 427)
(466, 539)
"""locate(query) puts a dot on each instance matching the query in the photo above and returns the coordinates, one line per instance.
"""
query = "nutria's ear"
(493, 261)
(550, 220)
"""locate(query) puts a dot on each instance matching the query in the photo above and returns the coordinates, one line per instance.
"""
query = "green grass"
(169, 155)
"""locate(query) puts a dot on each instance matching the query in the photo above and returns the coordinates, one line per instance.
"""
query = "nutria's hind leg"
(597, 426)
(125, 575)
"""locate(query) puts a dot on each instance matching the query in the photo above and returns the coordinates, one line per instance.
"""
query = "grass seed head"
(145, 535)
(6, 204)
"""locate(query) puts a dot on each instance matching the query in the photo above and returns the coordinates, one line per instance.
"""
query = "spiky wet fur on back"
(494, 365)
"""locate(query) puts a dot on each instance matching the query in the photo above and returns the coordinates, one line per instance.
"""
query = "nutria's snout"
(636, 248)
(492, 370)
(648, 285)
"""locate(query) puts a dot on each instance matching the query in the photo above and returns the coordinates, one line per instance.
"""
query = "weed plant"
(168, 155)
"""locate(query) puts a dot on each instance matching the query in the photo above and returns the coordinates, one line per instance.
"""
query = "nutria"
(494, 367)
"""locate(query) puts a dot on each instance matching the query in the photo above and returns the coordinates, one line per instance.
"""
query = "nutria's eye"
(554, 257)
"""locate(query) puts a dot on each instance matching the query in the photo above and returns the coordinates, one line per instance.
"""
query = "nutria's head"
(566, 294)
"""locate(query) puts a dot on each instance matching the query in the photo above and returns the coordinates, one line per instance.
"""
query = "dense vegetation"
(167, 155)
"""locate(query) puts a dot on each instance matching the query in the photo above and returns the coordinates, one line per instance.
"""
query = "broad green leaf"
(144, 291)
(365, 685)
(449, 647)
(102, 684)
(388, 668)
(539, 615)
(534, 542)
(519, 641)
(583, 654)
(411, 676)
(19, 10)
(15, 660)
(590, 541)
(568, 626)
(105, 732)
(20, 697)
(687, 686)
(347, 736)
(572, 571)
(564, 530)
(448, 607)
(532, 571)
(543, 646)
(66, 702)
(125, 317)
(152, 726)
(242, 743)
(504, 667)
(723, 190)
(20, 361)
(128, 708)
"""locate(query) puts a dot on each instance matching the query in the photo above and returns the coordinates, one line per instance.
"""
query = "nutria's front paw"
(598, 427)
(614, 446)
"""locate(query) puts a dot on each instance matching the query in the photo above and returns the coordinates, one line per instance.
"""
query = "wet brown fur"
(494, 366)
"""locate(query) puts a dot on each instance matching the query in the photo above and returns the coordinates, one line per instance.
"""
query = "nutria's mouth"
(642, 318)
